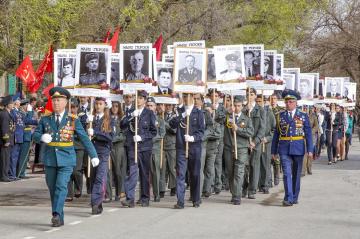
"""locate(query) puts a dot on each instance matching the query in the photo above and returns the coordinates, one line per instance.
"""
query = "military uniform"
(252, 173)
(134, 76)
(236, 167)
(314, 124)
(168, 169)
(60, 153)
(230, 75)
(93, 78)
(155, 157)
(276, 161)
(7, 128)
(185, 76)
(292, 138)
(147, 131)
(196, 130)
(265, 159)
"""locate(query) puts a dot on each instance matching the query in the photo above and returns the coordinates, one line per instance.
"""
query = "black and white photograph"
(253, 60)
(334, 87)
(289, 80)
(195, 44)
(166, 57)
(279, 66)
(296, 72)
(64, 68)
(115, 73)
(316, 82)
(135, 62)
(190, 69)
(350, 91)
(269, 64)
(321, 87)
(94, 69)
(164, 77)
(306, 86)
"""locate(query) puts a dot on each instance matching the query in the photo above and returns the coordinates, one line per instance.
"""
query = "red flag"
(46, 66)
(114, 39)
(106, 39)
(158, 46)
(48, 106)
(26, 72)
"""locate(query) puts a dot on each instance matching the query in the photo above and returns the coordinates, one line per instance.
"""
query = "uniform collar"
(61, 115)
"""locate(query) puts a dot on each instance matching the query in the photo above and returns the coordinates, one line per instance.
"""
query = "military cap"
(68, 61)
(231, 57)
(91, 56)
(290, 95)
(59, 92)
(151, 100)
(143, 93)
(7, 100)
(24, 102)
(267, 60)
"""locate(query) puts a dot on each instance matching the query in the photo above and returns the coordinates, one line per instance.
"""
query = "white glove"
(95, 162)
(90, 118)
(90, 132)
(188, 112)
(137, 138)
(183, 115)
(135, 113)
(189, 138)
(46, 138)
(29, 107)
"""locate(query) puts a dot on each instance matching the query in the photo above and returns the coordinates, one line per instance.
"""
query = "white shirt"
(237, 115)
(85, 106)
(99, 116)
(140, 110)
(292, 113)
(61, 115)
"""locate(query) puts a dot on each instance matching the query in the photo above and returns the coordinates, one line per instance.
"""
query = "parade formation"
(131, 128)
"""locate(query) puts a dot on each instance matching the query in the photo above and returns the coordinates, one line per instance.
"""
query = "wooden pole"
(187, 128)
(234, 121)
(214, 113)
(344, 137)
(136, 126)
(162, 144)
(249, 115)
(262, 94)
(90, 127)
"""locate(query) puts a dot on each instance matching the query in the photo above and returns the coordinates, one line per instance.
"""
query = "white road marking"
(53, 230)
(29, 237)
(75, 223)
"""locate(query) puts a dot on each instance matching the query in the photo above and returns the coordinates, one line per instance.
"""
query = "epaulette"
(73, 116)
(47, 114)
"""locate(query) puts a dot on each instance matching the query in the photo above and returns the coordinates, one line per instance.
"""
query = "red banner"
(158, 46)
(26, 72)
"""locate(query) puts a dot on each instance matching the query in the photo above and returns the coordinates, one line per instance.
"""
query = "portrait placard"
(115, 93)
(254, 64)
(164, 77)
(64, 69)
(296, 72)
(211, 70)
(289, 80)
(269, 66)
(190, 70)
(279, 66)
(306, 86)
(334, 87)
(93, 72)
(350, 91)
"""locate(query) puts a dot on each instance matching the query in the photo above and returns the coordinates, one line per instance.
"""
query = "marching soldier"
(156, 150)
(235, 167)
(257, 115)
(169, 163)
(57, 131)
(145, 133)
(314, 124)
(7, 128)
(292, 132)
(265, 159)
(194, 138)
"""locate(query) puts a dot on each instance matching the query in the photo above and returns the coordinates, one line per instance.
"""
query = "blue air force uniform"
(147, 131)
(59, 154)
(292, 139)
(196, 129)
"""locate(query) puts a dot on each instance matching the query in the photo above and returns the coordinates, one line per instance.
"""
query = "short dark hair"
(164, 70)
(249, 52)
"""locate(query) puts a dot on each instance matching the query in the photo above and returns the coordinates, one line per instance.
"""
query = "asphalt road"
(329, 207)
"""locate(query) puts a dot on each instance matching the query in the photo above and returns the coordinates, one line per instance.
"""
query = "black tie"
(290, 115)
(236, 118)
(57, 120)
(97, 118)
(249, 72)
(83, 109)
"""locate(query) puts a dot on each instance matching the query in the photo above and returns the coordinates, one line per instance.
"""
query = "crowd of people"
(207, 143)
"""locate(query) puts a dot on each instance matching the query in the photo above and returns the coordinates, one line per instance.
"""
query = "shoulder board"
(47, 114)
(73, 116)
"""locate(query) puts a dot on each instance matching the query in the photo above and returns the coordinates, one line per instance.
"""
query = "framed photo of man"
(316, 82)
(253, 61)
(190, 70)
(115, 77)
(93, 72)
(321, 88)
(269, 65)
(164, 77)
(211, 70)
(334, 87)
(229, 67)
(306, 86)
(279, 66)
(289, 81)
(64, 68)
(295, 71)
(350, 91)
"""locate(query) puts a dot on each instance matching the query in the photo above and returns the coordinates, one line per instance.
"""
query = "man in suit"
(57, 131)
(251, 69)
(136, 63)
(145, 133)
(292, 140)
(189, 74)
(7, 140)
(333, 93)
(305, 89)
(164, 81)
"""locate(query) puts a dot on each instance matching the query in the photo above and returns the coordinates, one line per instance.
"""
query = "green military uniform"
(252, 173)
(220, 116)
(214, 133)
(168, 169)
(236, 167)
(307, 163)
(155, 157)
(276, 162)
(265, 167)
